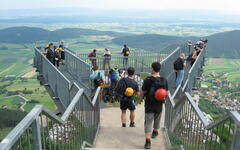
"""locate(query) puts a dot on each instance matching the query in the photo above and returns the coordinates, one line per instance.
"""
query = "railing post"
(36, 135)
(236, 138)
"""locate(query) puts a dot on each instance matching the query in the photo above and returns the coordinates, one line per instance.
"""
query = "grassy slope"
(11, 102)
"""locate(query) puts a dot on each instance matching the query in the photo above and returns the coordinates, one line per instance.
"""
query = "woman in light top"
(107, 59)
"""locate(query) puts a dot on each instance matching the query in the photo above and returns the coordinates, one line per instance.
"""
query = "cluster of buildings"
(222, 92)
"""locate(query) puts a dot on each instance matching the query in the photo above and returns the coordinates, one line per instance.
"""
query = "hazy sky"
(223, 5)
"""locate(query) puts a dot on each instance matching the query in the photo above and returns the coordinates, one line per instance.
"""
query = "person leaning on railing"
(57, 57)
(61, 49)
(92, 57)
(97, 78)
(50, 53)
(179, 65)
(199, 46)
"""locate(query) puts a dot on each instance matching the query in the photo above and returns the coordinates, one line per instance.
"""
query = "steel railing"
(58, 83)
(140, 61)
(78, 69)
(187, 127)
(42, 129)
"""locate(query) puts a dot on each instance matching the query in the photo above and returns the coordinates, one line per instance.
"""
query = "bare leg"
(132, 116)
(148, 135)
(123, 116)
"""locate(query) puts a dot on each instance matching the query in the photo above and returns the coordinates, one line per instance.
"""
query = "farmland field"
(13, 102)
(38, 93)
(230, 67)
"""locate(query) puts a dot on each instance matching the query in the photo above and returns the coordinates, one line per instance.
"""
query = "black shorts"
(127, 104)
(62, 55)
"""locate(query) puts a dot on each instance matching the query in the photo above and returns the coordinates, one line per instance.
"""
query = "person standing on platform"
(92, 57)
(125, 53)
(106, 59)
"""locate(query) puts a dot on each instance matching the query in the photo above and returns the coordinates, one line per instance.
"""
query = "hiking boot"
(132, 124)
(124, 125)
(147, 144)
(154, 134)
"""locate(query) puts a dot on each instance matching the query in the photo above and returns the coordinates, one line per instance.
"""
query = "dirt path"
(30, 74)
(216, 61)
(24, 98)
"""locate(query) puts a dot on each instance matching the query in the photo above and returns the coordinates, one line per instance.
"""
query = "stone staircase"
(113, 137)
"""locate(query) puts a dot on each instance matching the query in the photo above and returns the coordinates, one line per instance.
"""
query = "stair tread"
(113, 136)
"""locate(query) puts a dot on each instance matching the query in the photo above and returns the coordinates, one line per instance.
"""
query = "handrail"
(233, 115)
(175, 51)
(174, 109)
(15, 134)
(74, 55)
(37, 50)
(32, 118)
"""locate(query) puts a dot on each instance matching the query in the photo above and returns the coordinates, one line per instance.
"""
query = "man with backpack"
(92, 57)
(125, 53)
(127, 88)
(179, 65)
(153, 105)
(97, 78)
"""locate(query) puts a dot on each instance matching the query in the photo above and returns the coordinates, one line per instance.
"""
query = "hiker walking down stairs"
(153, 87)
(127, 88)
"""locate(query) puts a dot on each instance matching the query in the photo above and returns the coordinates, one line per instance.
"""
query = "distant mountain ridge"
(23, 35)
(225, 44)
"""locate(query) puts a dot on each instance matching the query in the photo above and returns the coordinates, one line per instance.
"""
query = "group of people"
(180, 63)
(98, 79)
(153, 91)
(127, 87)
(55, 54)
(107, 57)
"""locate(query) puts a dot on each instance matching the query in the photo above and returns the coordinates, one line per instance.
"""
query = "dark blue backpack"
(157, 83)
(113, 75)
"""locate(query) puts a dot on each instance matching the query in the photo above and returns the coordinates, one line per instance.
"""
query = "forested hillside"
(225, 44)
(24, 35)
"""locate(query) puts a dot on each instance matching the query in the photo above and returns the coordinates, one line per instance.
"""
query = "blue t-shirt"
(94, 75)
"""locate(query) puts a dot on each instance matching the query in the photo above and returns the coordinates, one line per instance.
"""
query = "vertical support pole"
(236, 138)
(36, 135)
